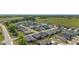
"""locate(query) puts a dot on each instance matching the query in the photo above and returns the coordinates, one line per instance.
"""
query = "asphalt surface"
(7, 38)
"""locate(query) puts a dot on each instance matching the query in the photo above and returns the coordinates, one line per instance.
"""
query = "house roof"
(70, 32)
(43, 34)
(65, 36)
(49, 32)
(37, 36)
(44, 42)
(30, 38)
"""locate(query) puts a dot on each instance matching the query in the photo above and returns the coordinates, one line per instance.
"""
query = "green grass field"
(1, 36)
(74, 22)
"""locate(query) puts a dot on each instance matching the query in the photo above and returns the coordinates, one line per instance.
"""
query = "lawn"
(1, 35)
(74, 22)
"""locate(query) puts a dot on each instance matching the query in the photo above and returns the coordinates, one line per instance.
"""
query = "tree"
(30, 18)
(21, 39)
(12, 28)
(7, 23)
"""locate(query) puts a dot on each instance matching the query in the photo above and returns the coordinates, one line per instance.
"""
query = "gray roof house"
(50, 32)
(69, 32)
(43, 34)
(30, 38)
(45, 42)
(37, 36)
(76, 32)
(64, 37)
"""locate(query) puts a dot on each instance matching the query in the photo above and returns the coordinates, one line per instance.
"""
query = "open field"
(74, 22)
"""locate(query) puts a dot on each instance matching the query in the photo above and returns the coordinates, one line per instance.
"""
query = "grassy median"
(1, 35)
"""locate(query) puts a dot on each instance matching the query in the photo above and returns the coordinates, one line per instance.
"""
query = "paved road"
(8, 40)
(29, 29)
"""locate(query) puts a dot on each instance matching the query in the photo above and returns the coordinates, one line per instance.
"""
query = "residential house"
(37, 36)
(43, 34)
(30, 38)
